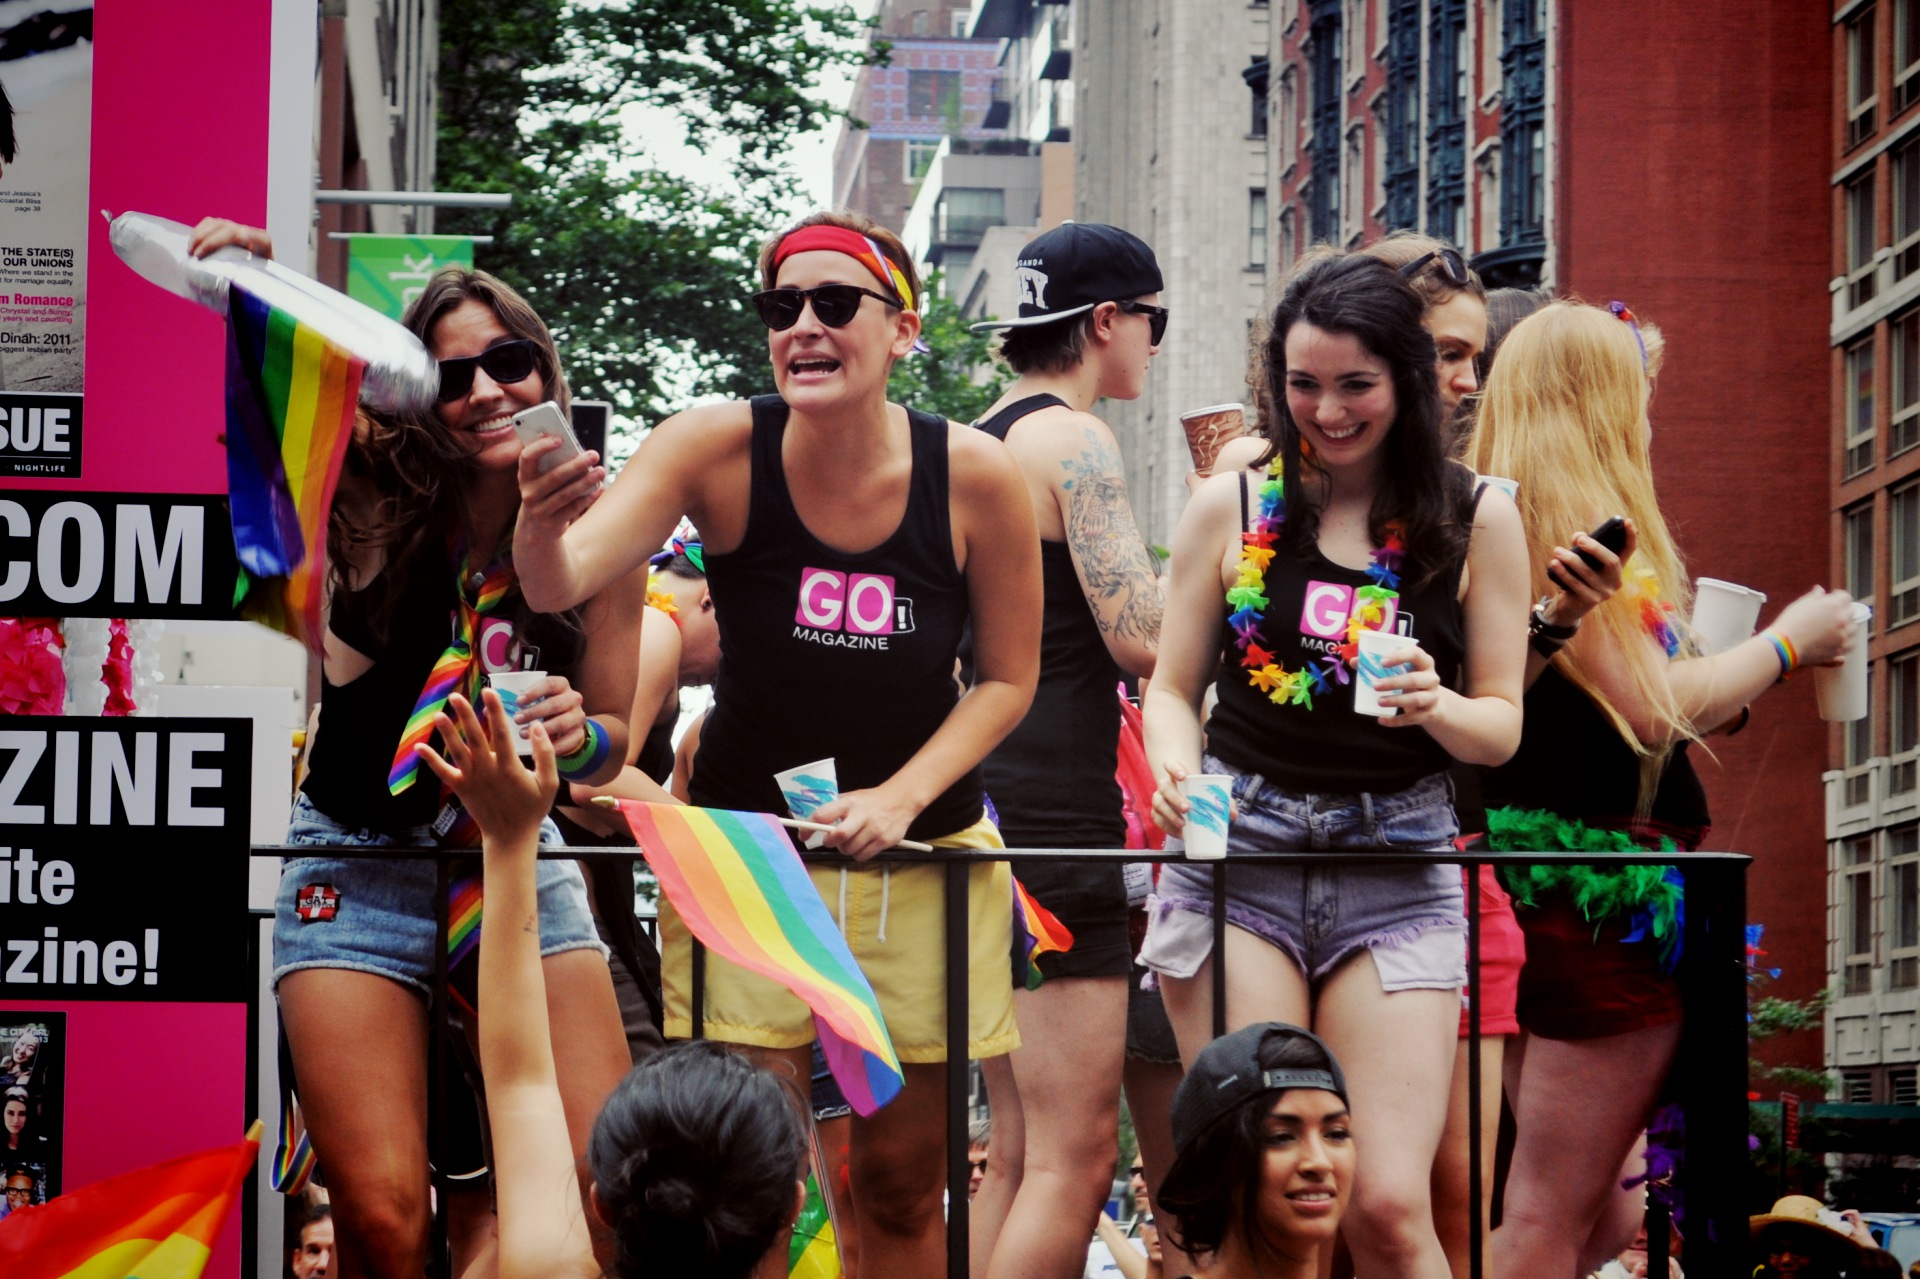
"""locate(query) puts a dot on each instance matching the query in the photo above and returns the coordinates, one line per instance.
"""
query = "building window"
(1903, 908)
(1856, 904)
(1858, 537)
(1257, 126)
(1446, 118)
(933, 94)
(1289, 117)
(1903, 568)
(1401, 140)
(1858, 740)
(1523, 123)
(1859, 406)
(1354, 24)
(920, 158)
(1289, 14)
(1903, 1085)
(1356, 175)
(965, 214)
(1257, 228)
(1903, 722)
(1860, 240)
(1856, 1086)
(1377, 171)
(1903, 432)
(1906, 54)
(1862, 99)
(1906, 208)
(1324, 201)
(1289, 239)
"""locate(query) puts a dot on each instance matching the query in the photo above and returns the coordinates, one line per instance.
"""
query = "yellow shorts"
(894, 919)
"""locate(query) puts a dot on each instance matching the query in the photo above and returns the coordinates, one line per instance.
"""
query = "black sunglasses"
(834, 305)
(506, 363)
(1452, 266)
(1156, 318)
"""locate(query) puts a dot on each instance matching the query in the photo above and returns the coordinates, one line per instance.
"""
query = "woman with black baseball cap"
(1266, 1155)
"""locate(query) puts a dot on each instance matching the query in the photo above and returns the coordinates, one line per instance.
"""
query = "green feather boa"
(1650, 896)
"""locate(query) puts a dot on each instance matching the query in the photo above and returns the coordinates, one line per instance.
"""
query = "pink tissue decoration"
(31, 679)
(117, 671)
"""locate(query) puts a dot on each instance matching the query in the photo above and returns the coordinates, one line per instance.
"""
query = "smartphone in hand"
(1612, 535)
(547, 419)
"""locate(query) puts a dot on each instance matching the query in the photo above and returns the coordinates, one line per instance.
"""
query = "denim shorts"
(378, 916)
(1412, 918)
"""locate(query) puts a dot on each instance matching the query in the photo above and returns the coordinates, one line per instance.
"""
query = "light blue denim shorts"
(1412, 918)
(378, 916)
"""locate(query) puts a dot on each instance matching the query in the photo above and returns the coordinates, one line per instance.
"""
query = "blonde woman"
(1609, 713)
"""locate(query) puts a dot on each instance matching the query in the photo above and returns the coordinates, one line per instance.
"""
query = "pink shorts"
(1503, 952)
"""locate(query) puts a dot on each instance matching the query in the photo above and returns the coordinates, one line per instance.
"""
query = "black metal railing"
(1709, 1074)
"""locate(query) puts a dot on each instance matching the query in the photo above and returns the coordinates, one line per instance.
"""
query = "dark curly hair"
(1224, 1164)
(1363, 297)
(695, 1157)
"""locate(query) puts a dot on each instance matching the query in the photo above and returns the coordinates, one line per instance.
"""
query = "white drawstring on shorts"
(843, 901)
(886, 883)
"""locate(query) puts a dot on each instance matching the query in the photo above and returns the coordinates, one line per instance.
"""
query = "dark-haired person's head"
(1083, 285)
(840, 298)
(677, 586)
(1380, 381)
(313, 1251)
(1263, 1145)
(698, 1164)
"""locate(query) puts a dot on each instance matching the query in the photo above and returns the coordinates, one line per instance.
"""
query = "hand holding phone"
(547, 420)
(1612, 535)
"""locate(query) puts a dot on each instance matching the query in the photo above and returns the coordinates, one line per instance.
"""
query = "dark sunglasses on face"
(1156, 318)
(834, 305)
(1451, 265)
(506, 363)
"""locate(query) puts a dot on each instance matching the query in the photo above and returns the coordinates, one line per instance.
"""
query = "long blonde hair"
(1564, 413)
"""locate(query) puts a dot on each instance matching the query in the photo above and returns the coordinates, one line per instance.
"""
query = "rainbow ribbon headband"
(836, 239)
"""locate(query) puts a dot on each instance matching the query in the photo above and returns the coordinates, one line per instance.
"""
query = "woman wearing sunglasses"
(1602, 764)
(418, 544)
(848, 541)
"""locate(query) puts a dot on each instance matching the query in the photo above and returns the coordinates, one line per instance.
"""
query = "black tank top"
(825, 653)
(656, 752)
(1574, 763)
(1052, 779)
(361, 721)
(1331, 749)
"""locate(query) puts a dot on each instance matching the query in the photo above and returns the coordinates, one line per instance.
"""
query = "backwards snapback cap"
(1074, 268)
(1228, 1073)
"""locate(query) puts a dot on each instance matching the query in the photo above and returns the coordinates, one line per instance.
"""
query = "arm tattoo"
(1114, 562)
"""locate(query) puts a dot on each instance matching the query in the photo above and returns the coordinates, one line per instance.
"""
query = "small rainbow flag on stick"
(1037, 931)
(157, 1223)
(742, 890)
(290, 404)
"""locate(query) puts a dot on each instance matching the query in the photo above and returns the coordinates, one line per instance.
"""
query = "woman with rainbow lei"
(1361, 524)
(1603, 764)
(847, 542)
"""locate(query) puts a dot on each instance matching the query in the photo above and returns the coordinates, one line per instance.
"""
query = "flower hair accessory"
(1620, 311)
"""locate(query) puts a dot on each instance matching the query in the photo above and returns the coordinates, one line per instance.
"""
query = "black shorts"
(1090, 898)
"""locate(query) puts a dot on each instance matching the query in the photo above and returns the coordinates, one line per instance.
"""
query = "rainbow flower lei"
(1656, 614)
(1248, 599)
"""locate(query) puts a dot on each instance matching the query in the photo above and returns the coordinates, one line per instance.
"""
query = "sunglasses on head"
(834, 305)
(1451, 264)
(1156, 318)
(505, 362)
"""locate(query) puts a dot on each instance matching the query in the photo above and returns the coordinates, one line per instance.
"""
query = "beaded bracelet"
(592, 754)
(1783, 649)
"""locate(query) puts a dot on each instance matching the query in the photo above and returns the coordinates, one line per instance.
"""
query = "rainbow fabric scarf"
(1036, 931)
(157, 1223)
(454, 672)
(743, 892)
(290, 405)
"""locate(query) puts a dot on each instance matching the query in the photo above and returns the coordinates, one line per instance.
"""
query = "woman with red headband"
(848, 541)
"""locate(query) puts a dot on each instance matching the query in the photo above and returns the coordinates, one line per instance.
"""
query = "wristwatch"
(1546, 638)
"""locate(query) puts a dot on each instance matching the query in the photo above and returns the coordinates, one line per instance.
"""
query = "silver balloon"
(401, 376)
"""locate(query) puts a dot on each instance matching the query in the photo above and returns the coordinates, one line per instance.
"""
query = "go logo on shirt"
(852, 604)
(1328, 606)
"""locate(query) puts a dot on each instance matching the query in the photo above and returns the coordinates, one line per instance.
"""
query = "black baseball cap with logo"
(1074, 268)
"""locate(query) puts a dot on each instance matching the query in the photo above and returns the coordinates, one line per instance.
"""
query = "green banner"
(389, 271)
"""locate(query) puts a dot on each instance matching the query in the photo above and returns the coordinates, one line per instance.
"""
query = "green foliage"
(958, 375)
(642, 275)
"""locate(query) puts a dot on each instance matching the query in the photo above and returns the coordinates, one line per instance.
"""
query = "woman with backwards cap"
(1265, 1156)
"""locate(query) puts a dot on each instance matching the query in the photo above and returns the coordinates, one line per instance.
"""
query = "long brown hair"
(407, 483)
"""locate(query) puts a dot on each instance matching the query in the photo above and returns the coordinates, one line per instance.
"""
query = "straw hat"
(1827, 1226)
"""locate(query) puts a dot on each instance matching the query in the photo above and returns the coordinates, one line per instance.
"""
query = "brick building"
(937, 84)
(1874, 371)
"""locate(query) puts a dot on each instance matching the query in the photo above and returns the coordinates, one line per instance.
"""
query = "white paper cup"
(1209, 796)
(1375, 646)
(806, 787)
(1510, 487)
(1724, 614)
(511, 685)
(1842, 691)
(1207, 429)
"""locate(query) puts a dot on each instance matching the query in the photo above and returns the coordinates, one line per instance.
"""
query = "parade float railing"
(1708, 1079)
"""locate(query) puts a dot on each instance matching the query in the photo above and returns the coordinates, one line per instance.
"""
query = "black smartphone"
(1612, 535)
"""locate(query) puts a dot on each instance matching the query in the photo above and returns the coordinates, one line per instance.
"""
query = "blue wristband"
(592, 753)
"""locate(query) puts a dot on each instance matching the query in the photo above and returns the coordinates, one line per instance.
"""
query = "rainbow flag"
(1037, 931)
(813, 1253)
(157, 1223)
(742, 890)
(290, 403)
